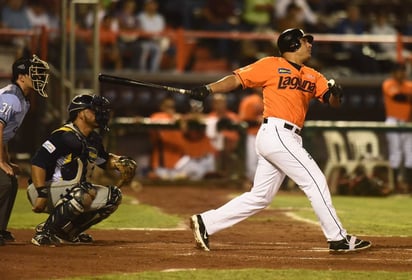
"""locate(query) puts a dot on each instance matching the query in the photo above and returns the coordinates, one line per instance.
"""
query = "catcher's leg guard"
(72, 205)
(88, 219)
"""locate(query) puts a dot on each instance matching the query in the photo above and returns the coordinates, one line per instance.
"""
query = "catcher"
(61, 173)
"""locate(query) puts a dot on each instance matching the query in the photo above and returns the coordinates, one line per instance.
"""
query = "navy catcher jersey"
(59, 153)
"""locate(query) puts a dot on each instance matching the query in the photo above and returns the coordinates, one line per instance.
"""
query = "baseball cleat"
(199, 232)
(82, 238)
(348, 244)
(45, 239)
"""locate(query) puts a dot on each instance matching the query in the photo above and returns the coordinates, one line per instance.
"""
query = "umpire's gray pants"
(8, 192)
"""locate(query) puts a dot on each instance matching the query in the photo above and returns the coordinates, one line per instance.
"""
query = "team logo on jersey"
(287, 82)
(49, 146)
(284, 71)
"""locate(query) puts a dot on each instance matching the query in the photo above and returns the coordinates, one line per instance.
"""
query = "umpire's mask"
(37, 69)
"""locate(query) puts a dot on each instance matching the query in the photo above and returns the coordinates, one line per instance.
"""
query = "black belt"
(286, 125)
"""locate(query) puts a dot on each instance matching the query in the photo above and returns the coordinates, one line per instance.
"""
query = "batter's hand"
(335, 89)
(200, 93)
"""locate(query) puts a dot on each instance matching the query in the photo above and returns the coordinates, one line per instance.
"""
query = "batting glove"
(200, 93)
(335, 89)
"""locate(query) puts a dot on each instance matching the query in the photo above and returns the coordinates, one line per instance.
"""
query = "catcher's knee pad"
(69, 208)
(88, 219)
(115, 196)
(114, 200)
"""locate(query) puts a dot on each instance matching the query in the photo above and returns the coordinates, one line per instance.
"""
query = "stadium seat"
(365, 148)
(338, 158)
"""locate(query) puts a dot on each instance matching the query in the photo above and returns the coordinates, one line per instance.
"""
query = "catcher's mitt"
(126, 167)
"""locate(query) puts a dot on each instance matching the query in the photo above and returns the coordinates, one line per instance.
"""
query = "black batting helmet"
(98, 104)
(289, 40)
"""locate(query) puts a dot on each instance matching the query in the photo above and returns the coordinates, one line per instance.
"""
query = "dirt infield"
(268, 240)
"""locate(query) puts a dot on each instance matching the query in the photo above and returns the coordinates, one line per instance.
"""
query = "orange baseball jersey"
(287, 91)
(168, 144)
(399, 110)
(251, 109)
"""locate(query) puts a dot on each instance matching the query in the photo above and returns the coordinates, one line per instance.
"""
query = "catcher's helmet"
(37, 69)
(288, 40)
(98, 104)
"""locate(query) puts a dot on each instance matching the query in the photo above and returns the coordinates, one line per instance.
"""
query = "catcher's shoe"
(45, 239)
(348, 244)
(82, 238)
(7, 236)
(39, 228)
(2, 242)
(199, 232)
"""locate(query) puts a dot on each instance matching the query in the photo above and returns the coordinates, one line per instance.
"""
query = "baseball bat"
(133, 83)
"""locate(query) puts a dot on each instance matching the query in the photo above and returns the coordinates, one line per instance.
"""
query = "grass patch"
(255, 274)
(130, 214)
(384, 216)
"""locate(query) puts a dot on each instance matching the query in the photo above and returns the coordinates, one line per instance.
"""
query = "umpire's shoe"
(199, 232)
(7, 236)
(348, 244)
(45, 238)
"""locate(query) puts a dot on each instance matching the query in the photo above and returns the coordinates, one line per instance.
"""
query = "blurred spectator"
(14, 16)
(251, 111)
(105, 8)
(37, 15)
(386, 52)
(220, 15)
(307, 17)
(397, 94)
(359, 58)
(293, 18)
(199, 160)
(223, 135)
(111, 58)
(167, 143)
(152, 46)
(128, 39)
(257, 16)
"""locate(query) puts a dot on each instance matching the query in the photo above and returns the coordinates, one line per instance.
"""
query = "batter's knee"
(260, 201)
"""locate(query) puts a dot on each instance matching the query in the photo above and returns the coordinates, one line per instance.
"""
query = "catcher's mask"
(98, 104)
(289, 40)
(37, 69)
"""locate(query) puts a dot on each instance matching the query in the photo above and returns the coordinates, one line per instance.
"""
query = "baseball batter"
(288, 87)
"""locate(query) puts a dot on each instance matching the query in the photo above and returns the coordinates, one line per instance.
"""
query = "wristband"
(43, 192)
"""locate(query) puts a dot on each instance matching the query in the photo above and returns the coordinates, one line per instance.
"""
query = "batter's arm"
(223, 85)
(226, 84)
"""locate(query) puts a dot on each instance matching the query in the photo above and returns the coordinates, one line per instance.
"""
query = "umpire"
(28, 75)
